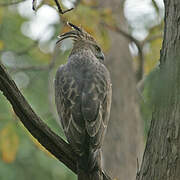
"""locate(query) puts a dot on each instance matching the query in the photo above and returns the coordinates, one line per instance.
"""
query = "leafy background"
(27, 40)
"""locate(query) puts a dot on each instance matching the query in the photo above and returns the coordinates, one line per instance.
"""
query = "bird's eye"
(98, 48)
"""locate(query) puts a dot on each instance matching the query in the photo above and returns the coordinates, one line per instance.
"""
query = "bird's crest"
(77, 34)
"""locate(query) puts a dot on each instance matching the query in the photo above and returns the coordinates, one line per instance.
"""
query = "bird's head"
(82, 40)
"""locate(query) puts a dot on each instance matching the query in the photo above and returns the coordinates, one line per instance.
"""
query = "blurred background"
(129, 32)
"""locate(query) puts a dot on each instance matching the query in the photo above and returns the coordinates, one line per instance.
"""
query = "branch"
(29, 68)
(35, 68)
(60, 9)
(51, 141)
(11, 3)
(152, 38)
(57, 4)
(27, 49)
(22, 51)
(56, 145)
(138, 44)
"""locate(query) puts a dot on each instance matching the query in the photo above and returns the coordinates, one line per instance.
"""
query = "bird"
(83, 93)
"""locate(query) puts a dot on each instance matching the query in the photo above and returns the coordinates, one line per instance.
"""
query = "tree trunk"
(124, 139)
(161, 159)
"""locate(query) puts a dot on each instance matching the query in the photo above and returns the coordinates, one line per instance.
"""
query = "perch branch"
(52, 142)
(56, 145)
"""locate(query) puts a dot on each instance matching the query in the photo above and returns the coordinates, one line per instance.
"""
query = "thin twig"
(34, 5)
(136, 42)
(139, 45)
(152, 38)
(29, 68)
(11, 3)
(36, 68)
(57, 4)
(23, 51)
(60, 9)
(122, 32)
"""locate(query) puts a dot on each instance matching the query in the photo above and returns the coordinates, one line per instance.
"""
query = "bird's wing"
(96, 102)
(68, 102)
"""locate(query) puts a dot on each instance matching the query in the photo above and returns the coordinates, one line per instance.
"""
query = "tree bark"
(161, 159)
(124, 139)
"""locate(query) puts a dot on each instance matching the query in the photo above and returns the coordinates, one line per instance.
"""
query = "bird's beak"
(101, 57)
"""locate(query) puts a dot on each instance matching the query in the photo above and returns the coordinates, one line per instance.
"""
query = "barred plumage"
(83, 100)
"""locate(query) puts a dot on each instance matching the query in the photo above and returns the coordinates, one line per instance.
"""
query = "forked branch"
(57, 4)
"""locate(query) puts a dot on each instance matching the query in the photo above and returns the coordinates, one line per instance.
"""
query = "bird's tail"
(90, 168)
